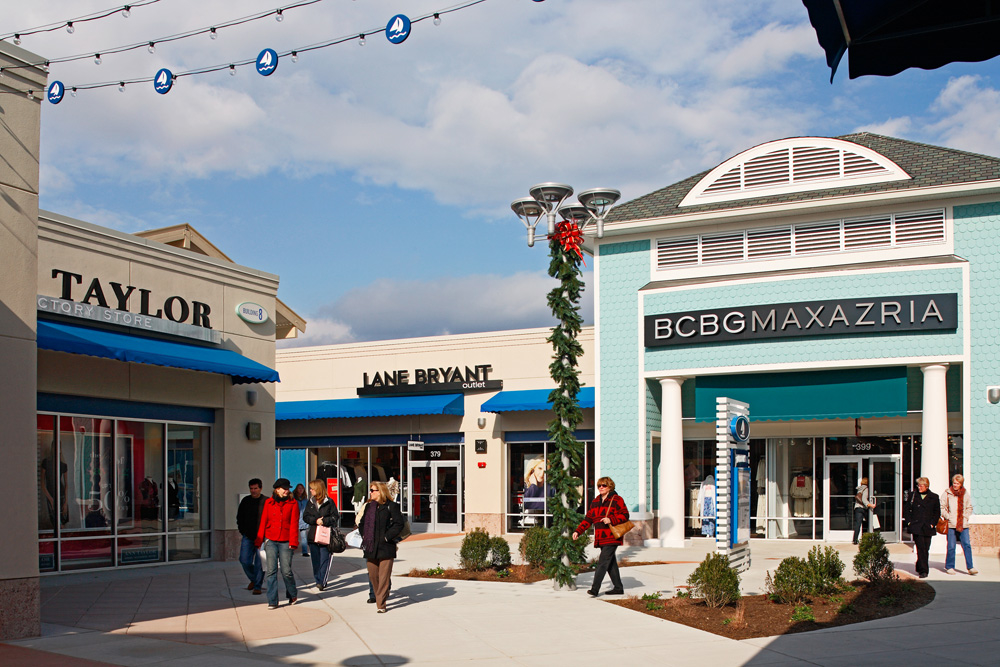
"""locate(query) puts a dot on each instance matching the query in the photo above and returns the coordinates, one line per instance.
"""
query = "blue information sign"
(163, 81)
(739, 428)
(56, 92)
(397, 29)
(267, 62)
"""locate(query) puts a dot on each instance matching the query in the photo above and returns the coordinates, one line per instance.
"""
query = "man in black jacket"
(922, 514)
(248, 521)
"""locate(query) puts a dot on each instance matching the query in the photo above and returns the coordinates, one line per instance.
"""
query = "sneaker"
(973, 571)
(250, 586)
(321, 587)
(256, 591)
(292, 601)
(381, 611)
(950, 570)
(272, 606)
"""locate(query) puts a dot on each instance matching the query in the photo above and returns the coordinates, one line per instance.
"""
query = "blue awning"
(840, 394)
(60, 337)
(372, 406)
(532, 399)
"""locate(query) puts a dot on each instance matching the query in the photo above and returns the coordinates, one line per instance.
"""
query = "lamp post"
(565, 248)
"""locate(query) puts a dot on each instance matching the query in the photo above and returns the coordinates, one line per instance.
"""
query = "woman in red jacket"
(279, 534)
(606, 510)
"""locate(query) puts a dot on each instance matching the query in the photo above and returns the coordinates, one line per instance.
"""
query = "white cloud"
(971, 116)
(893, 127)
(768, 50)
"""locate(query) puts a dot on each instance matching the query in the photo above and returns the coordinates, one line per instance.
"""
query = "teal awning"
(840, 394)
(532, 399)
(371, 406)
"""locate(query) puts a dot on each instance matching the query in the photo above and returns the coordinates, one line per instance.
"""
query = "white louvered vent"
(868, 233)
(672, 253)
(765, 243)
(793, 165)
(767, 170)
(722, 248)
(920, 227)
(811, 239)
(809, 163)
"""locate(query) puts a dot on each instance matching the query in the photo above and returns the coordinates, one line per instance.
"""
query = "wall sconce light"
(251, 397)
(481, 422)
(993, 395)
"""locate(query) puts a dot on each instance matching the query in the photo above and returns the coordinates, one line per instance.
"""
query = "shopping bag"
(354, 539)
(322, 535)
(875, 522)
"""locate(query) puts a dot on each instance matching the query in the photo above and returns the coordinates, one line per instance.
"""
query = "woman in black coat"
(922, 514)
(380, 525)
(319, 511)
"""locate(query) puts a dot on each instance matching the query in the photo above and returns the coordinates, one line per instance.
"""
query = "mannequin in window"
(801, 491)
(761, 495)
(706, 506)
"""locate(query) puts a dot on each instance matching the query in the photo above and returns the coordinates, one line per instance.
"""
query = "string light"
(97, 58)
(17, 39)
(213, 34)
(69, 27)
(126, 11)
(361, 39)
(72, 91)
(295, 57)
(152, 47)
(437, 19)
(104, 13)
(31, 94)
(278, 16)
(232, 70)
(121, 86)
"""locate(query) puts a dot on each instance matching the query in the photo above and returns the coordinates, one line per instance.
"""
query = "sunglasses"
(372, 490)
(602, 486)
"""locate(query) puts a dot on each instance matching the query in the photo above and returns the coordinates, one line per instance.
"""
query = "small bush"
(651, 596)
(803, 613)
(435, 571)
(826, 567)
(887, 601)
(499, 553)
(846, 608)
(681, 593)
(534, 548)
(792, 580)
(872, 560)
(503, 574)
(715, 582)
(475, 551)
(652, 606)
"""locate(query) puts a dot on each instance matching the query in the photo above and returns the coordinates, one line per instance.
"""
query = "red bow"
(568, 234)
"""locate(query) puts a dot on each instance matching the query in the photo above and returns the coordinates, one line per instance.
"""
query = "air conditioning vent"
(672, 253)
(811, 239)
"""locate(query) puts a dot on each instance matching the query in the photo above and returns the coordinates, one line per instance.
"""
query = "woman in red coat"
(606, 510)
(279, 535)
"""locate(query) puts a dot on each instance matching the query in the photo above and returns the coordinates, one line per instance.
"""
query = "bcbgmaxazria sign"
(838, 317)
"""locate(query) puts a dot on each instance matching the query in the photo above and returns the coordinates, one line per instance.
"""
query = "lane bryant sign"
(837, 317)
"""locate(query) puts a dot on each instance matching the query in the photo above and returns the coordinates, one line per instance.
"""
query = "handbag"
(322, 535)
(337, 543)
(622, 528)
(406, 532)
(942, 526)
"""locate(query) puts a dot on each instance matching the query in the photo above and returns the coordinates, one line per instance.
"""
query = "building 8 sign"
(891, 314)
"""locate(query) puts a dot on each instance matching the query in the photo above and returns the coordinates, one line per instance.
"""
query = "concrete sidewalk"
(202, 614)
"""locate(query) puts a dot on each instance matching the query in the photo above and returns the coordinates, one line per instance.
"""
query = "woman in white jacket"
(956, 507)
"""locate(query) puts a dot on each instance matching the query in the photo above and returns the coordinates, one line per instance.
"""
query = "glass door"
(884, 478)
(840, 484)
(435, 497)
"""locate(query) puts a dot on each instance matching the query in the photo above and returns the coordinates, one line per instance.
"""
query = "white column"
(671, 469)
(934, 437)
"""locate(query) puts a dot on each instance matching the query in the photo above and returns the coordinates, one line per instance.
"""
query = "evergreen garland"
(566, 453)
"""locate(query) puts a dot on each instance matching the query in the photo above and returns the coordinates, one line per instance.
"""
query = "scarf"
(960, 519)
(368, 541)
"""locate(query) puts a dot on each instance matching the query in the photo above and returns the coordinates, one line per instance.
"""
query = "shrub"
(534, 548)
(475, 551)
(826, 567)
(499, 553)
(887, 601)
(792, 580)
(872, 560)
(715, 582)
(803, 613)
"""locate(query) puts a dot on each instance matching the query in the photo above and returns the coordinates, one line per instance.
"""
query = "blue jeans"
(250, 561)
(279, 554)
(303, 545)
(949, 561)
(321, 562)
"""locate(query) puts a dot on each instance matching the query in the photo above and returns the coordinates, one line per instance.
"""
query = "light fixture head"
(437, 19)
(72, 92)
(97, 58)
(993, 395)
(576, 213)
(481, 422)
(17, 39)
(529, 211)
(295, 57)
(361, 39)
(232, 70)
(278, 16)
(70, 28)
(212, 33)
(152, 47)
(551, 195)
(599, 199)
(126, 11)
(121, 86)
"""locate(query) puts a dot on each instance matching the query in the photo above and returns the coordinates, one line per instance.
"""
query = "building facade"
(844, 288)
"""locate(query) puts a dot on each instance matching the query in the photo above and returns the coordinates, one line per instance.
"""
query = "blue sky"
(376, 180)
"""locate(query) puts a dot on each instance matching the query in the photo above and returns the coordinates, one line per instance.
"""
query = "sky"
(376, 180)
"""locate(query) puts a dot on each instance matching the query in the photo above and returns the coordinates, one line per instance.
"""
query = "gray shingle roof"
(927, 166)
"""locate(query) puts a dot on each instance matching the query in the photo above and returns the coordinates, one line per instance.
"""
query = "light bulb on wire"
(17, 39)
(121, 86)
(97, 58)
(126, 11)
(437, 19)
(295, 57)
(278, 16)
(361, 39)
(232, 70)
(31, 94)
(152, 47)
(72, 91)
(212, 33)
(70, 28)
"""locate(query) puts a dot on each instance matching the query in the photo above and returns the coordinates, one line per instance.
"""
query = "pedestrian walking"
(302, 498)
(247, 522)
(606, 510)
(279, 535)
(863, 502)
(319, 511)
(957, 509)
(921, 515)
(379, 527)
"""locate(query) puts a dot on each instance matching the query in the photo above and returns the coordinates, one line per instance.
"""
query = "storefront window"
(348, 469)
(187, 461)
(699, 480)
(86, 445)
(139, 477)
(528, 492)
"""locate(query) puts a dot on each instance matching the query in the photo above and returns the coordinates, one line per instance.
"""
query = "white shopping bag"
(354, 539)
(875, 522)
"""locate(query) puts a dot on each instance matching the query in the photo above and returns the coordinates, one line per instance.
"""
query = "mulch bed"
(758, 616)
(518, 574)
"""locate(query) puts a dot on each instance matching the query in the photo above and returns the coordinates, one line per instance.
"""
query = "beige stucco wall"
(19, 140)
(95, 252)
(520, 358)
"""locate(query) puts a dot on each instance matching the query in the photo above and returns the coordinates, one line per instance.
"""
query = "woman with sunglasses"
(606, 510)
(380, 525)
